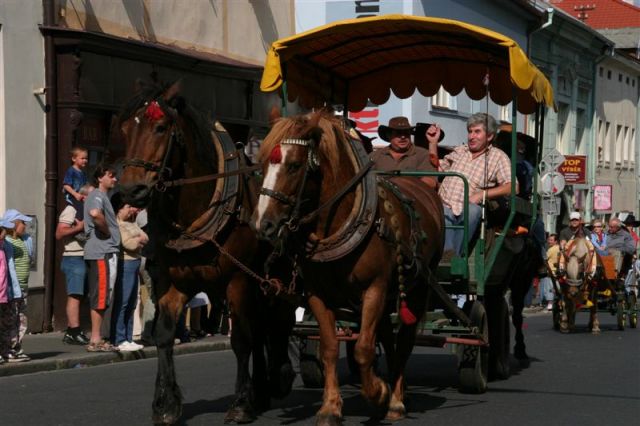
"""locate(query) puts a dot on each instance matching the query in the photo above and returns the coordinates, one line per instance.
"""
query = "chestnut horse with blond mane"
(365, 244)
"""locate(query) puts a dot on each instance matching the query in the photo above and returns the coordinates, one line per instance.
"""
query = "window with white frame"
(632, 148)
(607, 143)
(562, 141)
(505, 113)
(625, 147)
(443, 99)
(618, 145)
(600, 141)
(580, 133)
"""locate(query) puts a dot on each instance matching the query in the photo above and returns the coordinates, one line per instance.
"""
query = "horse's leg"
(167, 402)
(518, 293)
(239, 298)
(373, 389)
(595, 328)
(280, 319)
(564, 318)
(330, 412)
(387, 339)
(405, 341)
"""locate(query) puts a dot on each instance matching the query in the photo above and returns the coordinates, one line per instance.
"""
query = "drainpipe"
(550, 11)
(592, 148)
(51, 164)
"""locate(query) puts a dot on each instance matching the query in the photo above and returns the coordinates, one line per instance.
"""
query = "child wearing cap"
(5, 315)
(18, 248)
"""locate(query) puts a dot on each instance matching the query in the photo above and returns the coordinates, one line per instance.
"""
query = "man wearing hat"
(575, 229)
(402, 154)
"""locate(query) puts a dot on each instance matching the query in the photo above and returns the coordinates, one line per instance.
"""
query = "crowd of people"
(104, 239)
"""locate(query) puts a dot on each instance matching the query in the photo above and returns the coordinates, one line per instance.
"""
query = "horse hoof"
(239, 415)
(396, 413)
(165, 419)
(284, 381)
(328, 420)
(595, 331)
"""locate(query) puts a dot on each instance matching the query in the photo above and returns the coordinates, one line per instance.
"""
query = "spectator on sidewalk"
(5, 307)
(101, 253)
(75, 178)
(546, 284)
(18, 248)
(599, 238)
(126, 288)
(70, 230)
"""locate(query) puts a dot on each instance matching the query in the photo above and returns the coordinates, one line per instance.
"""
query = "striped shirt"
(21, 260)
(460, 160)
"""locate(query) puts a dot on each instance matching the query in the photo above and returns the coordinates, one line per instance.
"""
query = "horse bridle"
(585, 263)
(311, 166)
(163, 171)
(313, 163)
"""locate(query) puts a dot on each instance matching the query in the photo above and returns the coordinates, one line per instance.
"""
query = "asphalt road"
(576, 379)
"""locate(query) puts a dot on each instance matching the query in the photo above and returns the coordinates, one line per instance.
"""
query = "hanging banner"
(602, 198)
(574, 169)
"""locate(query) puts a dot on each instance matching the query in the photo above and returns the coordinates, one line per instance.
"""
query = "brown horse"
(362, 245)
(199, 229)
(578, 260)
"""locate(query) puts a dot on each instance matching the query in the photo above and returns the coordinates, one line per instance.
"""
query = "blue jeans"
(546, 290)
(453, 238)
(124, 302)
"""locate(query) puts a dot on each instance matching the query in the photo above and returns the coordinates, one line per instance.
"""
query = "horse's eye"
(293, 167)
(160, 128)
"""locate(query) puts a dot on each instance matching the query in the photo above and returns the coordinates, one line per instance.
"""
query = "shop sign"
(602, 198)
(574, 169)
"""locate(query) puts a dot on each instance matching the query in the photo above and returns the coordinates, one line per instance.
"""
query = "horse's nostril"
(268, 229)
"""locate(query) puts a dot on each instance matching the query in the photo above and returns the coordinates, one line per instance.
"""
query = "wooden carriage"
(354, 63)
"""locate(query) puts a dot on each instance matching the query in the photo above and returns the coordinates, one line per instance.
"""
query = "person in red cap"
(402, 154)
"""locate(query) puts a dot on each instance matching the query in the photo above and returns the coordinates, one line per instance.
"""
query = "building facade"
(68, 66)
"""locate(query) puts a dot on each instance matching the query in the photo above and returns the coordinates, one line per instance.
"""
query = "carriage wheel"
(474, 360)
(632, 304)
(311, 368)
(621, 314)
(500, 339)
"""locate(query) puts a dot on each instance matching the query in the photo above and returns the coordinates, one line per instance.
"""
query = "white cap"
(575, 215)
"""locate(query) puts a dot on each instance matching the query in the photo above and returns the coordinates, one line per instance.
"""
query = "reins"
(338, 195)
(206, 178)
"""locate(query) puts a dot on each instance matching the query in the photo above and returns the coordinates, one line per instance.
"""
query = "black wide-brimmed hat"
(402, 124)
(396, 123)
(630, 220)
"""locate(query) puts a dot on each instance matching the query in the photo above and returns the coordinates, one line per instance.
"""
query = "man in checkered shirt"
(487, 168)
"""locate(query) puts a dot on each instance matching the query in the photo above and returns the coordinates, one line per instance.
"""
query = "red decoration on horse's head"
(153, 111)
(276, 155)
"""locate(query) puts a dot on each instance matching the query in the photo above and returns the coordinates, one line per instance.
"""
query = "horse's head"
(150, 125)
(296, 156)
(577, 259)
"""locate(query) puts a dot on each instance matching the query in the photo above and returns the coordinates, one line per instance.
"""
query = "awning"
(365, 59)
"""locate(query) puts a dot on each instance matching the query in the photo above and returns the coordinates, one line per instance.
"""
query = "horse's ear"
(139, 85)
(274, 115)
(313, 124)
(173, 90)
